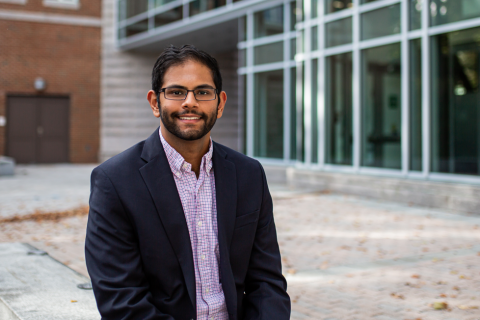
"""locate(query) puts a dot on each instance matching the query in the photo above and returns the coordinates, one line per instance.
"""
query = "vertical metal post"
(321, 85)
(425, 90)
(307, 99)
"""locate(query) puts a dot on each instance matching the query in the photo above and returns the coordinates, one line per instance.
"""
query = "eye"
(203, 92)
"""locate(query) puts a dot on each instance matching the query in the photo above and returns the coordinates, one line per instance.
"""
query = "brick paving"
(344, 257)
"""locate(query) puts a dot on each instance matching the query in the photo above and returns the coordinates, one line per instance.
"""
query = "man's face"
(188, 119)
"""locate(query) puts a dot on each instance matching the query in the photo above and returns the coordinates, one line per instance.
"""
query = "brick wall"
(68, 58)
(90, 8)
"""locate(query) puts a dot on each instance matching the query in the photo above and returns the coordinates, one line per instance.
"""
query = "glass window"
(133, 7)
(242, 29)
(242, 58)
(168, 16)
(300, 124)
(293, 114)
(314, 38)
(268, 53)
(293, 48)
(381, 107)
(159, 3)
(314, 113)
(136, 28)
(338, 109)
(338, 32)
(314, 9)
(268, 127)
(199, 6)
(446, 11)
(332, 6)
(416, 105)
(269, 22)
(381, 22)
(293, 15)
(455, 110)
(415, 14)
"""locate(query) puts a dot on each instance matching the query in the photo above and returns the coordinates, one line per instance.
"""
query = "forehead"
(189, 73)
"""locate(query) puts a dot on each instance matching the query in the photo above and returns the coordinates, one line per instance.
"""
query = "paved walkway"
(344, 257)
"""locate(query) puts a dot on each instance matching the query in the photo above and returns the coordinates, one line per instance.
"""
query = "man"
(181, 227)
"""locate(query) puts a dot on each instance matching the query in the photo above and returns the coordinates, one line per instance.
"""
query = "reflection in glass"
(242, 29)
(293, 48)
(268, 129)
(159, 3)
(338, 109)
(168, 16)
(199, 6)
(381, 107)
(332, 6)
(338, 32)
(415, 14)
(293, 15)
(130, 8)
(269, 22)
(416, 105)
(314, 113)
(446, 11)
(314, 38)
(455, 112)
(136, 28)
(268, 53)
(381, 22)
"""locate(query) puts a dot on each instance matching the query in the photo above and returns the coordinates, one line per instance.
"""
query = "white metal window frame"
(64, 4)
(403, 38)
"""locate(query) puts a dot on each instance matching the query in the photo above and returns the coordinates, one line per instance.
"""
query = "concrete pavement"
(344, 257)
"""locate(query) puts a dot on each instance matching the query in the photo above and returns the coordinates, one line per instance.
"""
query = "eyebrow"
(202, 86)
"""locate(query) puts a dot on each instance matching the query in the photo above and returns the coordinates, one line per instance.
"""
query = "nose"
(190, 100)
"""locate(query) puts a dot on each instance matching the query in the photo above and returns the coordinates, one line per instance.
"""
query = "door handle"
(40, 131)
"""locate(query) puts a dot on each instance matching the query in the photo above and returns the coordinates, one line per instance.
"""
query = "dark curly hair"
(172, 56)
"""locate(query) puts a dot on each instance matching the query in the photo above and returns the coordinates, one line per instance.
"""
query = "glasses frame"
(186, 94)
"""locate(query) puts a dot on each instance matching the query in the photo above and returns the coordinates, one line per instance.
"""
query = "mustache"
(179, 114)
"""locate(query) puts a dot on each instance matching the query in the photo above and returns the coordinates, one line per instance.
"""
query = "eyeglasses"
(206, 94)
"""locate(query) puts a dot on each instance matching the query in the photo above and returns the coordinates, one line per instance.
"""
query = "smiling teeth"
(189, 118)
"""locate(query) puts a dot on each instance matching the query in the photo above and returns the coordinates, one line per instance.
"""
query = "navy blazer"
(138, 250)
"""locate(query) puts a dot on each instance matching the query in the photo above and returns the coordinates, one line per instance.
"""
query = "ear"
(152, 99)
(222, 96)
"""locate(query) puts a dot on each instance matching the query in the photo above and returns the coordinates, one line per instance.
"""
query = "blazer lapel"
(226, 194)
(160, 182)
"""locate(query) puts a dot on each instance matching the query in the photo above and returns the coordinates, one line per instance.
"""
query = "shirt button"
(199, 223)
(203, 258)
(207, 290)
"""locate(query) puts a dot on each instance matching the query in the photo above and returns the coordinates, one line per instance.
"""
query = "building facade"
(50, 80)
(335, 91)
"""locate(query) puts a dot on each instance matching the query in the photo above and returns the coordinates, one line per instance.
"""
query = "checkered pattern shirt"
(200, 207)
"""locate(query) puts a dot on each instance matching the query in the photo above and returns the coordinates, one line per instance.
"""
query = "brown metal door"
(37, 129)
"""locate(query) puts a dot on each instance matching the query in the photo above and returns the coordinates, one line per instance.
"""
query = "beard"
(189, 134)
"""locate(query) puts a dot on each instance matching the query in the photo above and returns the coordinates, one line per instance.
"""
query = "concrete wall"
(126, 117)
(463, 198)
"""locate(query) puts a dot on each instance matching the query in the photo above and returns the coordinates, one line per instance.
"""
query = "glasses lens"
(175, 93)
(205, 94)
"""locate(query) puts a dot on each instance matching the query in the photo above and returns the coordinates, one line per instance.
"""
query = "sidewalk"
(344, 257)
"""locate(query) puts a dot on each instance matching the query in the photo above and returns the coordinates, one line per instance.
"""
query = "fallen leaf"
(456, 288)
(463, 277)
(464, 307)
(415, 276)
(453, 272)
(443, 295)
(440, 305)
(324, 265)
(397, 296)
(73, 301)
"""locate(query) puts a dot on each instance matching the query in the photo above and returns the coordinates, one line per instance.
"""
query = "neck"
(192, 151)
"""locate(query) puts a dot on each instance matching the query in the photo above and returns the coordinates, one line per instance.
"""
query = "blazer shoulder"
(239, 159)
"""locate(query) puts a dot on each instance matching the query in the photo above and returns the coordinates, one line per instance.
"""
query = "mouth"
(189, 118)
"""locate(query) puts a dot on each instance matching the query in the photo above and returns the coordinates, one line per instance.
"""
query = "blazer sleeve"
(266, 295)
(113, 259)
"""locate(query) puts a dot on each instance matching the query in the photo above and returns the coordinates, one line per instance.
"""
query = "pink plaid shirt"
(200, 207)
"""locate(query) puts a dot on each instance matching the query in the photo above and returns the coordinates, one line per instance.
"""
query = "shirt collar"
(177, 163)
